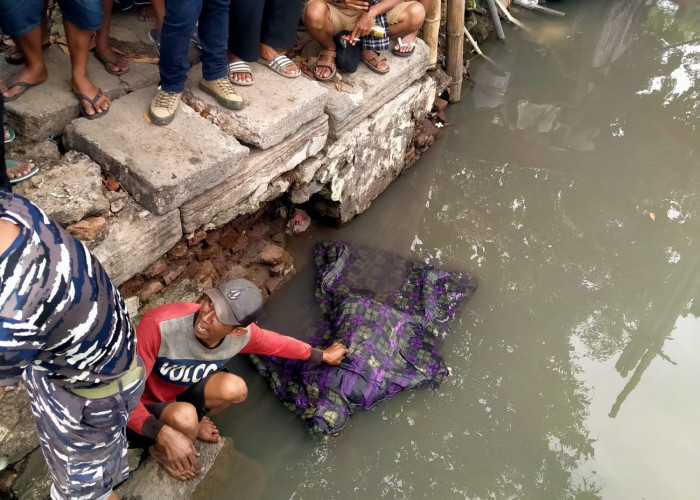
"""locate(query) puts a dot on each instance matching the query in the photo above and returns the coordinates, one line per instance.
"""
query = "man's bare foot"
(170, 466)
(26, 75)
(406, 43)
(325, 64)
(268, 53)
(114, 63)
(87, 88)
(208, 431)
(146, 13)
(19, 170)
(242, 77)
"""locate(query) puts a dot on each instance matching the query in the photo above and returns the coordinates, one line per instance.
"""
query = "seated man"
(325, 18)
(183, 346)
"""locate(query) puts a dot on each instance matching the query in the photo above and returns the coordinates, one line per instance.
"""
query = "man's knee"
(182, 417)
(233, 389)
(415, 15)
(316, 14)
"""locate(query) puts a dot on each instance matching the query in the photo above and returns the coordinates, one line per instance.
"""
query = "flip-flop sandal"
(20, 60)
(331, 66)
(10, 133)
(377, 59)
(105, 62)
(237, 68)
(409, 53)
(278, 63)
(26, 86)
(92, 102)
(15, 180)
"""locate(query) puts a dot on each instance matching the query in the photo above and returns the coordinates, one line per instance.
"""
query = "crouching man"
(183, 347)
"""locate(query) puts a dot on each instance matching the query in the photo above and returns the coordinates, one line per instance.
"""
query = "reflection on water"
(569, 185)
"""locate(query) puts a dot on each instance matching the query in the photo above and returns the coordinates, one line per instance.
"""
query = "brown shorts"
(344, 18)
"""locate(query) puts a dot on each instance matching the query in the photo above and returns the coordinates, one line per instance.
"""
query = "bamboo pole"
(455, 47)
(431, 32)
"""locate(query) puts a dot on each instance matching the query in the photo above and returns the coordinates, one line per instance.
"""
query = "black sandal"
(92, 102)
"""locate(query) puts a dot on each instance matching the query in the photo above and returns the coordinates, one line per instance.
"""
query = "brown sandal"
(331, 66)
(374, 62)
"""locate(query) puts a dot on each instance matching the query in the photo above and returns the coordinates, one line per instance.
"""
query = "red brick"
(149, 289)
(156, 268)
(179, 250)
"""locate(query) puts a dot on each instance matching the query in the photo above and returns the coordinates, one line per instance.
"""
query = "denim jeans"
(178, 25)
(18, 17)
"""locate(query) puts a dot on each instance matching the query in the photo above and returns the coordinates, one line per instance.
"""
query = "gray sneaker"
(163, 107)
(224, 93)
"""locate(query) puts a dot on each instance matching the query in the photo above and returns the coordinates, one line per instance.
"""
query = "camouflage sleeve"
(19, 346)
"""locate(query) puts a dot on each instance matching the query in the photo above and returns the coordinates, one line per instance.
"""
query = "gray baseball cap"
(236, 302)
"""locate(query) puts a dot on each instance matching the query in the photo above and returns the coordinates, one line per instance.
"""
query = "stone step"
(365, 91)
(160, 167)
(243, 191)
(48, 108)
(275, 106)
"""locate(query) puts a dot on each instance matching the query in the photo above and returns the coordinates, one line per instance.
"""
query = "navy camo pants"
(83, 440)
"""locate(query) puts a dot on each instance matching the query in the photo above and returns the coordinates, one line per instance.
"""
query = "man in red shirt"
(184, 347)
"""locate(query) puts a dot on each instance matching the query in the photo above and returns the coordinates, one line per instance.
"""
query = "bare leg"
(183, 418)
(113, 62)
(159, 11)
(222, 390)
(317, 19)
(15, 54)
(408, 24)
(34, 70)
(79, 46)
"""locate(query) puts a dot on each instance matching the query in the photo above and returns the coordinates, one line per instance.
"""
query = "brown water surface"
(569, 183)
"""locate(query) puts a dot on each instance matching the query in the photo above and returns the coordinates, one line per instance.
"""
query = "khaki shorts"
(344, 18)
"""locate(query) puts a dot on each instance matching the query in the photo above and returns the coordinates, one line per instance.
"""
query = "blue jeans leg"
(178, 25)
(213, 34)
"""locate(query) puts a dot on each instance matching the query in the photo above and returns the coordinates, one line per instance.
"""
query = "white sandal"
(237, 68)
(278, 63)
(402, 45)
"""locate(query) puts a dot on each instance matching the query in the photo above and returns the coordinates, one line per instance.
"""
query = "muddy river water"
(569, 184)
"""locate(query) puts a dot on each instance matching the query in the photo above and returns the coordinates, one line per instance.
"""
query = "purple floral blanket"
(391, 313)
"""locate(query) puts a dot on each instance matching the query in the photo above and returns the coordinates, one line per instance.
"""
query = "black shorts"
(194, 395)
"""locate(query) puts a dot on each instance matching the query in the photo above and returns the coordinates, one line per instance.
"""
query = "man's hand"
(175, 452)
(334, 354)
(360, 5)
(362, 25)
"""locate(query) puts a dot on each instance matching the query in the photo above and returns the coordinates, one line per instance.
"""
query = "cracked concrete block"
(248, 186)
(275, 106)
(160, 167)
(362, 162)
(135, 239)
(365, 91)
(69, 191)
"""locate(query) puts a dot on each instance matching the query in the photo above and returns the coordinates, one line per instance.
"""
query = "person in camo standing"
(65, 330)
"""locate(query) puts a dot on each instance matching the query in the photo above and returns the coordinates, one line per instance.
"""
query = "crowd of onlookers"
(230, 33)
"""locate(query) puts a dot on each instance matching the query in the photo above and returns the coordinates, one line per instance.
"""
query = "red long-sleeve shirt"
(175, 360)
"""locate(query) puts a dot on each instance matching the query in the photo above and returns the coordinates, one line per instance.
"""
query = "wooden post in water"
(455, 47)
(431, 31)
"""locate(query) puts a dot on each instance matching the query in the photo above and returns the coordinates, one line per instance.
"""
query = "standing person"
(21, 19)
(65, 330)
(179, 22)
(183, 347)
(256, 30)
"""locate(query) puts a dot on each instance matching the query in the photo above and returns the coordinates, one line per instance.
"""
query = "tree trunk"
(431, 30)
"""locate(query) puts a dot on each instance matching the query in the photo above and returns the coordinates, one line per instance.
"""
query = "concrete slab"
(275, 106)
(161, 167)
(243, 191)
(367, 91)
(135, 239)
(48, 108)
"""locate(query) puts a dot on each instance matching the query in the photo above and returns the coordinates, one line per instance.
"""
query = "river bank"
(170, 211)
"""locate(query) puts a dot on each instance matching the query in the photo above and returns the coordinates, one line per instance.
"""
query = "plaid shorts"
(83, 440)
